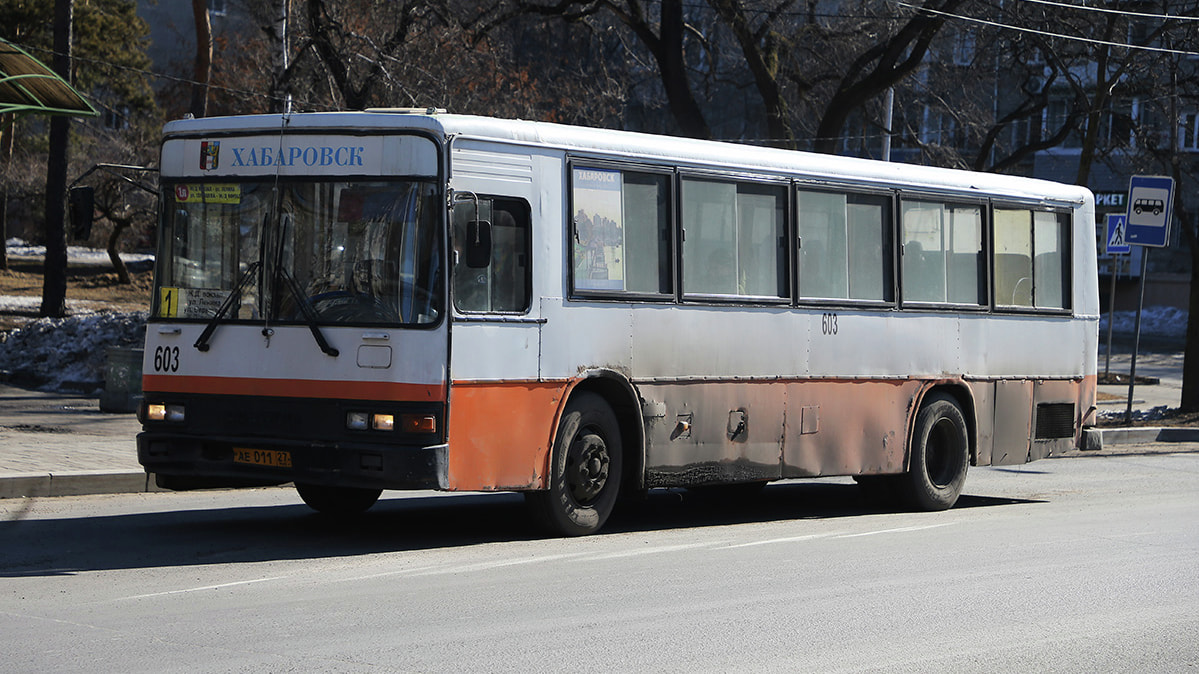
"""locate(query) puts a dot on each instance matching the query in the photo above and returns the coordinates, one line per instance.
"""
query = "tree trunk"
(8, 126)
(118, 228)
(203, 69)
(54, 282)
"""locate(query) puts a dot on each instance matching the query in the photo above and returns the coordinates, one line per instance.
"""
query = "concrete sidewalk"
(55, 445)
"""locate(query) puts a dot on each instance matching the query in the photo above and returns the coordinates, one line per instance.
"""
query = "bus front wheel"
(585, 469)
(940, 455)
(338, 501)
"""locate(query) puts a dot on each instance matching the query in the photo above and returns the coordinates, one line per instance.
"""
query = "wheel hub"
(589, 468)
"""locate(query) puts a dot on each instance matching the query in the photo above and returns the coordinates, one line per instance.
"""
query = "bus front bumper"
(183, 462)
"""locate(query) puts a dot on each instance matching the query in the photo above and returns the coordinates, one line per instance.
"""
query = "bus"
(407, 299)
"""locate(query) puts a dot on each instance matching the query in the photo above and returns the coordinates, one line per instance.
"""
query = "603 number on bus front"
(166, 359)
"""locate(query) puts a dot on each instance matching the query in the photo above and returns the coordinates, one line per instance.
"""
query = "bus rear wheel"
(940, 455)
(585, 470)
(337, 501)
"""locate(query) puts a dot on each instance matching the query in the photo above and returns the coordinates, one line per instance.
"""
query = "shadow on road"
(47, 547)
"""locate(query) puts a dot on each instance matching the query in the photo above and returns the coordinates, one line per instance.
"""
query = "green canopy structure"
(28, 85)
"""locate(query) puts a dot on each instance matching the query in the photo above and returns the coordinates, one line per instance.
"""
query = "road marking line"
(834, 534)
(647, 551)
(789, 539)
(203, 588)
(897, 530)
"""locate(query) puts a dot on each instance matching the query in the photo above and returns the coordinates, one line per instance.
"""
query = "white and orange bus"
(400, 299)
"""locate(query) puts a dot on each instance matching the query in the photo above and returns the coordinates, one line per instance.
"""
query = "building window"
(1188, 131)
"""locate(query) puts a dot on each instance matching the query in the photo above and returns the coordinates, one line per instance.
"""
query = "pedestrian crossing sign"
(1117, 242)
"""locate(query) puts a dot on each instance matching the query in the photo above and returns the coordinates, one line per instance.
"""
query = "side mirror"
(478, 244)
(81, 204)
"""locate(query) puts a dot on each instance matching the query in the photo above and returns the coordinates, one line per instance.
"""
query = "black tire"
(940, 455)
(338, 501)
(585, 470)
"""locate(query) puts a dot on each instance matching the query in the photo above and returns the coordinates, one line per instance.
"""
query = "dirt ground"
(93, 282)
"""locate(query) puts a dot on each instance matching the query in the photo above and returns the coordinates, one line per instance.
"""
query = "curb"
(1096, 439)
(76, 483)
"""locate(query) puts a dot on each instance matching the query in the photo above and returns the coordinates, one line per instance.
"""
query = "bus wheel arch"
(941, 446)
(594, 456)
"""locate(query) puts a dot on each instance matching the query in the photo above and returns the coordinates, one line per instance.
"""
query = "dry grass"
(92, 282)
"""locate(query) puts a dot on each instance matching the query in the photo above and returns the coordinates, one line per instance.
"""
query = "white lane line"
(898, 530)
(498, 564)
(647, 551)
(835, 534)
(203, 588)
(788, 539)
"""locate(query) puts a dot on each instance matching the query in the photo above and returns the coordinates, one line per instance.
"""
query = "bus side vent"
(1055, 420)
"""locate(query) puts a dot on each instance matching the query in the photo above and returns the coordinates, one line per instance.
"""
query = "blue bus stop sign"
(1149, 212)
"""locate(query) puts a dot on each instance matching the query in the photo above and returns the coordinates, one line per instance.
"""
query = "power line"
(1119, 12)
(1034, 31)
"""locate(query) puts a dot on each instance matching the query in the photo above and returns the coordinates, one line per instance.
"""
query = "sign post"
(1114, 245)
(1150, 199)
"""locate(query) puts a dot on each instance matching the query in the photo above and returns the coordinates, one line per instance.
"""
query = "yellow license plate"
(273, 458)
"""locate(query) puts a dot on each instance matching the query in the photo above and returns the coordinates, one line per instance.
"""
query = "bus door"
(500, 413)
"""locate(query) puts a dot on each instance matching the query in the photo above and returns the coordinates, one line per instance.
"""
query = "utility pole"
(54, 285)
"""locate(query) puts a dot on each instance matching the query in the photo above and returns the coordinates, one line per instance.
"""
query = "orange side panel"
(500, 434)
(293, 388)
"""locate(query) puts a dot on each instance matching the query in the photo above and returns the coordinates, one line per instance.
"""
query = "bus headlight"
(383, 422)
(357, 421)
(160, 412)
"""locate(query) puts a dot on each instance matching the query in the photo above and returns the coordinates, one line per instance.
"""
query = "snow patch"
(1164, 322)
(19, 247)
(69, 354)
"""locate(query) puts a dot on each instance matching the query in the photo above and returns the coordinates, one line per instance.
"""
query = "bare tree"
(203, 63)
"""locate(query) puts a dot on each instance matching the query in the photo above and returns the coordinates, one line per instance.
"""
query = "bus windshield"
(329, 252)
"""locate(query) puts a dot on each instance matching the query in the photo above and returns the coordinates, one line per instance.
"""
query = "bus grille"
(1055, 420)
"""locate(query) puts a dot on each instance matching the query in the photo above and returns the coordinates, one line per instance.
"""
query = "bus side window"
(503, 284)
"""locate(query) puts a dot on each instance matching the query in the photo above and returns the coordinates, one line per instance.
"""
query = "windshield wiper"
(310, 316)
(202, 342)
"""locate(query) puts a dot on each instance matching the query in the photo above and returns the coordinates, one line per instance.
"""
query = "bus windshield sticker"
(599, 230)
(200, 302)
(208, 193)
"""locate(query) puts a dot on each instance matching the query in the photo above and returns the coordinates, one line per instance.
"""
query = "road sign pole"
(1136, 340)
(1111, 316)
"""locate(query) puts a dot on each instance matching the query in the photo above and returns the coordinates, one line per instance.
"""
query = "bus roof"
(641, 146)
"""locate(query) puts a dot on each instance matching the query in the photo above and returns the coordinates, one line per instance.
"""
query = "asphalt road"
(1081, 564)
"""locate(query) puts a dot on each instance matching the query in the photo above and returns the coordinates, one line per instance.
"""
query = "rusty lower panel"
(500, 434)
(862, 427)
(1088, 409)
(1056, 392)
(1012, 422)
(714, 432)
(707, 433)
(1016, 408)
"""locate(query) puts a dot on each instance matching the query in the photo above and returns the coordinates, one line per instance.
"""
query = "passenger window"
(845, 246)
(502, 284)
(1031, 259)
(734, 240)
(621, 231)
(943, 253)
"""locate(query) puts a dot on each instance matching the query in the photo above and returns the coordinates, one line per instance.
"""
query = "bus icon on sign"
(1155, 206)
(1148, 205)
